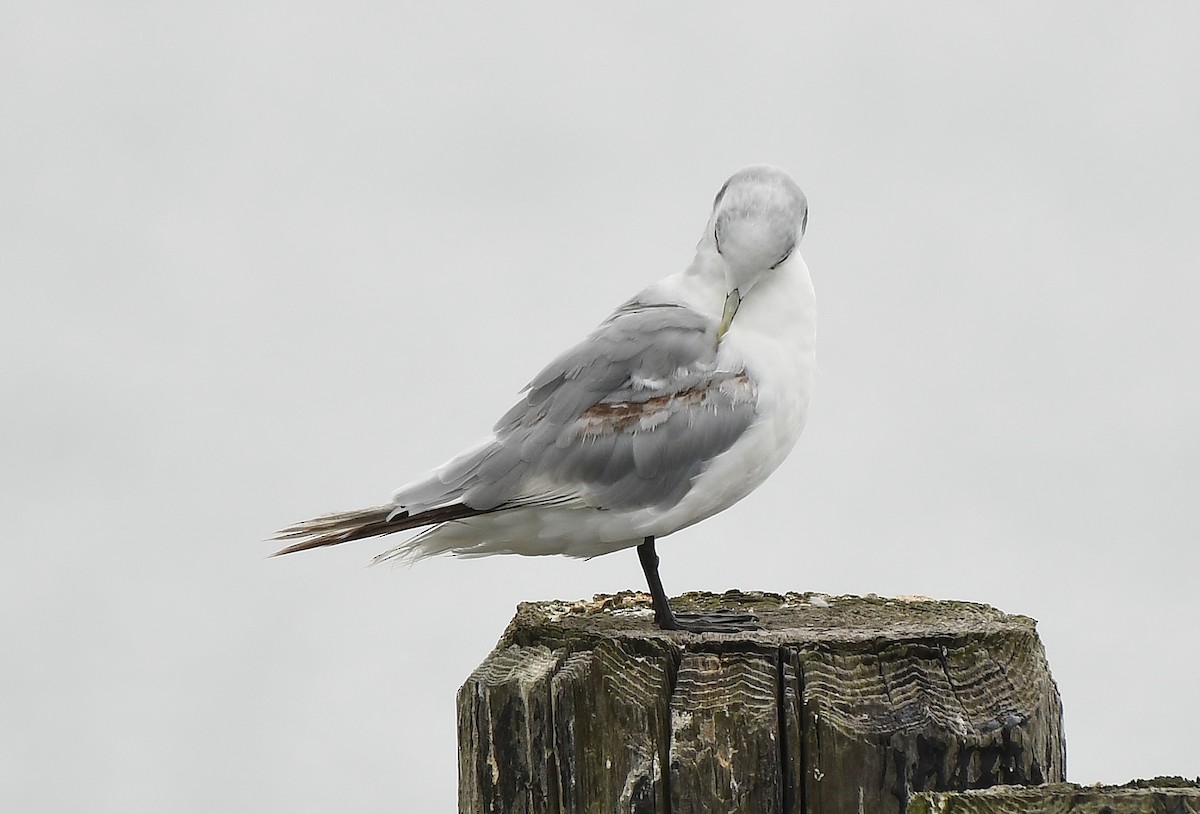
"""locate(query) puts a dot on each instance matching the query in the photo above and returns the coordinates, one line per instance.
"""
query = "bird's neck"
(780, 311)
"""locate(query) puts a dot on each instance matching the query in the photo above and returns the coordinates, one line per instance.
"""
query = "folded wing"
(626, 419)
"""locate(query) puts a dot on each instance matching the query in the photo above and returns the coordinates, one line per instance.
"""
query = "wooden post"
(847, 704)
(1162, 795)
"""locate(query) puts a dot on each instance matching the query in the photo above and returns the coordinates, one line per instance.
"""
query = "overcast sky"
(265, 260)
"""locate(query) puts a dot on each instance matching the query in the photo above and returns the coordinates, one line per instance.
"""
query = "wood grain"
(725, 738)
(611, 734)
(504, 727)
(957, 713)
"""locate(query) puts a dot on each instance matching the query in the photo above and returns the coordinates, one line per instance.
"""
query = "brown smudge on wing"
(622, 416)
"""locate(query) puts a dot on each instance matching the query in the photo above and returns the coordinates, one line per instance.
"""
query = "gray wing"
(627, 418)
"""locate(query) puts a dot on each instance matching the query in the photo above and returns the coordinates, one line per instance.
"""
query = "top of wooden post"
(789, 619)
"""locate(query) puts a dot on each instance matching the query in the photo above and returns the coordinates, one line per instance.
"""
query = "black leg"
(662, 609)
(714, 622)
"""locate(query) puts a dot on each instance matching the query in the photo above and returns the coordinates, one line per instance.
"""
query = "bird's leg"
(658, 597)
(714, 622)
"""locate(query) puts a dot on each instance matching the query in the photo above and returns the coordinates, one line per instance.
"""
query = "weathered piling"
(846, 704)
(1162, 795)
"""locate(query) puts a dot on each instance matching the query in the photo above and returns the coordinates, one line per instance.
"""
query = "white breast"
(773, 337)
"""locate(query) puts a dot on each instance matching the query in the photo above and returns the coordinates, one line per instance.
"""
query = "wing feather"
(628, 417)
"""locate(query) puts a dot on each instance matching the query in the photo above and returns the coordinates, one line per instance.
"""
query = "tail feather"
(343, 527)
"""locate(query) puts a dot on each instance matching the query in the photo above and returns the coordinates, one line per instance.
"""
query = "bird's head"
(758, 219)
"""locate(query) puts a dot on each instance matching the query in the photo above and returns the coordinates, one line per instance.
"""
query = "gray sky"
(264, 262)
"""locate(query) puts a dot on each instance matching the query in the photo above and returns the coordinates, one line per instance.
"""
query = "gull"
(674, 408)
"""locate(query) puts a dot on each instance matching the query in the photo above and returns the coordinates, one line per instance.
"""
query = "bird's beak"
(732, 301)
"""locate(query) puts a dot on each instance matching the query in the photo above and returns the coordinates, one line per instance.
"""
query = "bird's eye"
(786, 255)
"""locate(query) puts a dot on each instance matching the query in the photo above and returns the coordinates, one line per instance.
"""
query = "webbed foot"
(720, 621)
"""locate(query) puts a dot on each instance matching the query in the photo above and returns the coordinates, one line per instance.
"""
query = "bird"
(678, 405)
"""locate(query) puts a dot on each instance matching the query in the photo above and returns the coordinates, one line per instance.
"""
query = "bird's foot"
(719, 621)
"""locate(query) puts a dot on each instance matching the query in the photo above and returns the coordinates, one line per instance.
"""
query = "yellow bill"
(732, 301)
